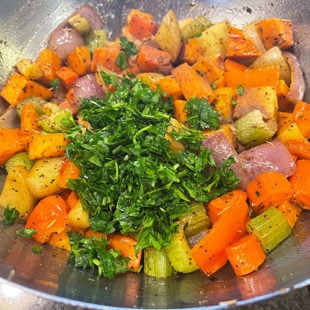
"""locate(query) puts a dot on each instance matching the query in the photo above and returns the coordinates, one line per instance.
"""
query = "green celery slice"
(156, 263)
(178, 253)
(270, 228)
(195, 220)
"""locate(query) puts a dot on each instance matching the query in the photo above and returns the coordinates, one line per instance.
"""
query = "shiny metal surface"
(24, 28)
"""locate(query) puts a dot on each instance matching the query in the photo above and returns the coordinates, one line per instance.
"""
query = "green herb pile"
(131, 181)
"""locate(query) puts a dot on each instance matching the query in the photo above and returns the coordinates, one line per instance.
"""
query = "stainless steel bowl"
(24, 28)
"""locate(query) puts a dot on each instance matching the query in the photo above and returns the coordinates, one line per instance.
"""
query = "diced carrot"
(48, 216)
(191, 51)
(209, 252)
(170, 86)
(12, 141)
(79, 60)
(192, 84)
(302, 117)
(268, 189)
(210, 67)
(232, 65)
(300, 182)
(301, 149)
(151, 59)
(49, 63)
(29, 119)
(127, 247)
(106, 57)
(267, 76)
(60, 240)
(240, 47)
(245, 255)
(140, 24)
(276, 32)
(68, 170)
(67, 77)
(18, 87)
(221, 204)
(284, 120)
(223, 103)
(71, 200)
(291, 211)
(45, 145)
(180, 111)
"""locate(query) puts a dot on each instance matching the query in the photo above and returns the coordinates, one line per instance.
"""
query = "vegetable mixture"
(181, 145)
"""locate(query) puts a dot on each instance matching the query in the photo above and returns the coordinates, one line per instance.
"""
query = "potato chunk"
(43, 178)
(15, 192)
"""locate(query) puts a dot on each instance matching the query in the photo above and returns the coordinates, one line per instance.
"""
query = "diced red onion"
(94, 19)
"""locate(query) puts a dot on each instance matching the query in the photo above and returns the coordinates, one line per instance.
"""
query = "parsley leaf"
(10, 215)
(26, 232)
(201, 114)
(240, 89)
(55, 84)
(93, 253)
(36, 249)
(128, 49)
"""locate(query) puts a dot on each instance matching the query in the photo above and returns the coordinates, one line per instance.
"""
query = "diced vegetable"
(79, 60)
(301, 184)
(156, 263)
(19, 159)
(168, 35)
(193, 27)
(270, 228)
(15, 192)
(48, 216)
(269, 189)
(80, 23)
(31, 70)
(43, 177)
(276, 32)
(209, 252)
(191, 83)
(178, 252)
(78, 218)
(251, 129)
(18, 87)
(245, 255)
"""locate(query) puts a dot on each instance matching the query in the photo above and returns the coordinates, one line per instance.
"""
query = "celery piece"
(178, 253)
(194, 26)
(156, 263)
(270, 228)
(20, 159)
(195, 220)
(251, 129)
(96, 38)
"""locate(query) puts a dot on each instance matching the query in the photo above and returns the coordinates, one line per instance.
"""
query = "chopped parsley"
(55, 83)
(93, 253)
(26, 232)
(10, 215)
(36, 249)
(201, 115)
(240, 89)
(131, 181)
(128, 49)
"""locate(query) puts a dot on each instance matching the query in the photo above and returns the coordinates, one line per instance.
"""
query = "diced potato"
(29, 69)
(19, 159)
(213, 40)
(274, 57)
(43, 178)
(175, 145)
(78, 218)
(60, 240)
(258, 98)
(251, 129)
(292, 132)
(15, 192)
(168, 35)
(192, 27)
